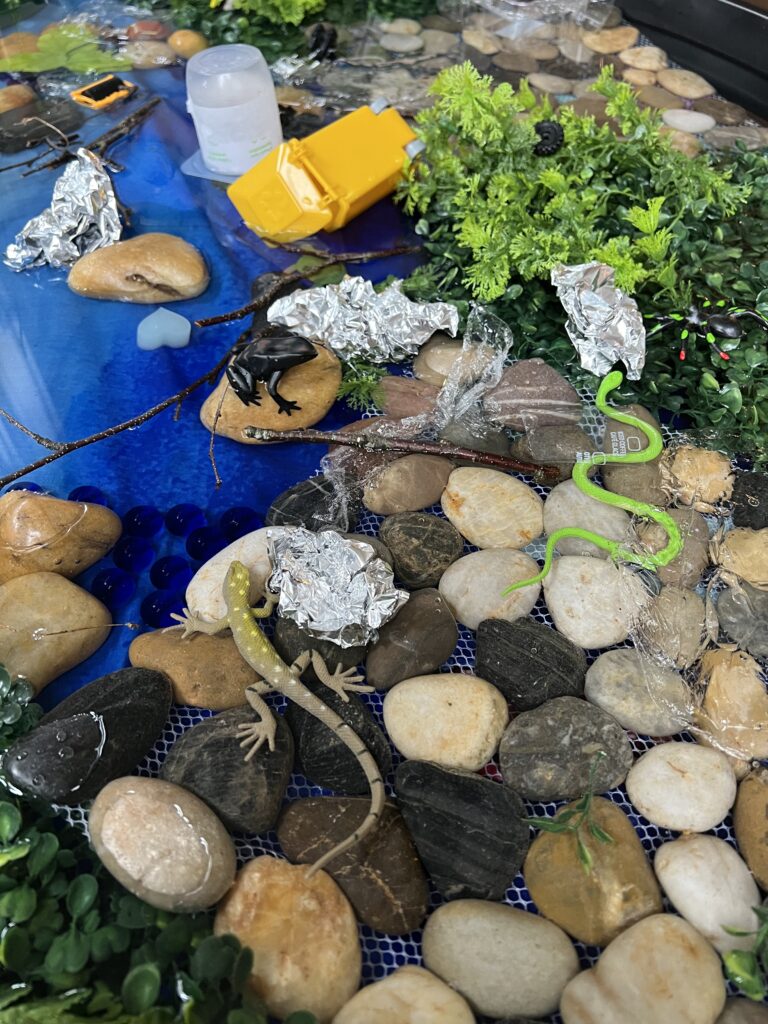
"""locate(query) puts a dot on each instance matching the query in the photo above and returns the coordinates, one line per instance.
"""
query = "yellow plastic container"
(323, 181)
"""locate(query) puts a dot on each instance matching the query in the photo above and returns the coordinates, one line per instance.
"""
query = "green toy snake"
(617, 551)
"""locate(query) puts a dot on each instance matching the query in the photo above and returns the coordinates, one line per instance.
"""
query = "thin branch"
(380, 443)
(44, 442)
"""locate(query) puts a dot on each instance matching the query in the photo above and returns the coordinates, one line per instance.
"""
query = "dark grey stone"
(423, 546)
(469, 831)
(209, 761)
(441, 22)
(743, 615)
(315, 505)
(554, 446)
(546, 754)
(291, 640)
(99, 733)
(415, 642)
(529, 662)
(750, 500)
(323, 758)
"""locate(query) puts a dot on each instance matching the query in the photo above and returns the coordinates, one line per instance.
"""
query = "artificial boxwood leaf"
(140, 988)
(10, 822)
(81, 895)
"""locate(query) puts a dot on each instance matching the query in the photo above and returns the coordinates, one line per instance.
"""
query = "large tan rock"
(303, 935)
(492, 509)
(734, 714)
(148, 268)
(43, 534)
(407, 485)
(186, 43)
(750, 823)
(49, 625)
(14, 96)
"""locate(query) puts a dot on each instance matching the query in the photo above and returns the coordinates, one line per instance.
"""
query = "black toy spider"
(710, 320)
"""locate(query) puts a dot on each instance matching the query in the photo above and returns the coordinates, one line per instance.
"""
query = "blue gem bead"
(171, 573)
(238, 521)
(143, 520)
(182, 519)
(134, 554)
(24, 485)
(93, 495)
(205, 542)
(113, 587)
(156, 608)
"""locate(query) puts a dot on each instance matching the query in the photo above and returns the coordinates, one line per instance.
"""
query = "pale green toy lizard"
(256, 649)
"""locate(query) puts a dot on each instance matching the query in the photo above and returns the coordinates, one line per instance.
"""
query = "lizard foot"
(193, 624)
(345, 682)
(255, 734)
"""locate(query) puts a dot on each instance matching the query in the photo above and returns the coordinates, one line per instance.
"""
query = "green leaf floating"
(68, 46)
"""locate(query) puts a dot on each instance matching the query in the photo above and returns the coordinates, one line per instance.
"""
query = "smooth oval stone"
(290, 640)
(709, 885)
(407, 485)
(751, 137)
(641, 694)
(321, 755)
(532, 394)
(151, 267)
(745, 553)
(550, 83)
(592, 601)
(658, 970)
(162, 843)
(205, 671)
(529, 662)
(397, 42)
(43, 534)
(51, 625)
(618, 438)
(473, 587)
(410, 995)
(567, 506)
(750, 500)
(525, 63)
(641, 481)
(658, 98)
(683, 142)
(554, 446)
(14, 96)
(406, 396)
(422, 546)
(684, 83)
(685, 570)
(697, 476)
(437, 43)
(303, 935)
(415, 642)
(452, 719)
(649, 58)
(402, 26)
(688, 121)
(150, 53)
(471, 944)
(735, 708)
(492, 509)
(611, 40)
(743, 614)
(481, 40)
(674, 625)
(682, 786)
(381, 876)
(186, 43)
(639, 77)
(723, 111)
(576, 51)
(548, 753)
(469, 831)
(208, 761)
(315, 505)
(743, 1011)
(750, 816)
(593, 906)
(99, 733)
(435, 359)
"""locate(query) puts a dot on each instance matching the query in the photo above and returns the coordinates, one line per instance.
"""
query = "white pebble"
(567, 506)
(689, 121)
(643, 695)
(492, 509)
(473, 586)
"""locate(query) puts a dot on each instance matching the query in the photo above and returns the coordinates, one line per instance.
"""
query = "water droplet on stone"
(38, 780)
(65, 752)
(61, 736)
(22, 755)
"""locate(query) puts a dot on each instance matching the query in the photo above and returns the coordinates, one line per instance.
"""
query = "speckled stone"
(683, 142)
(723, 111)
(532, 394)
(468, 830)
(638, 77)
(743, 615)
(381, 876)
(554, 446)
(409, 995)
(685, 570)
(641, 481)
(546, 754)
(684, 83)
(660, 99)
(436, 42)
(208, 761)
(415, 642)
(314, 505)
(750, 500)
(480, 40)
(643, 695)
(435, 359)
(750, 818)
(529, 662)
(492, 509)
(473, 587)
(673, 625)
(567, 506)
(422, 545)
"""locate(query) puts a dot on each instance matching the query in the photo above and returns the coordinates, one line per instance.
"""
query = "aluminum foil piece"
(355, 321)
(337, 589)
(603, 323)
(82, 217)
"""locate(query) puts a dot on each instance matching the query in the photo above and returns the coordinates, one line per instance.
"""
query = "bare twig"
(44, 442)
(369, 441)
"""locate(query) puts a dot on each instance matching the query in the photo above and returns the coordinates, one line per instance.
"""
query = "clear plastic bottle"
(231, 97)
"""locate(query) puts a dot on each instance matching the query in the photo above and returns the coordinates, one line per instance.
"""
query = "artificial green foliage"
(360, 385)
(68, 46)
(748, 968)
(279, 12)
(18, 714)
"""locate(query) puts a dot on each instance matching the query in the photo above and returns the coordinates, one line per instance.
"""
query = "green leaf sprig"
(748, 968)
(360, 385)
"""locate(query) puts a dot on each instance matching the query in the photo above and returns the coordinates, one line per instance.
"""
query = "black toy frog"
(266, 359)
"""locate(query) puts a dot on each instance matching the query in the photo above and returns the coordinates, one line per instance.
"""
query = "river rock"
(685, 570)
(682, 786)
(532, 394)
(205, 671)
(469, 831)
(595, 906)
(619, 438)
(750, 136)
(405, 397)
(422, 545)
(97, 734)
(148, 268)
(459, 936)
(162, 843)
(400, 42)
(697, 476)
(435, 359)
(481, 40)
(452, 719)
(684, 83)
(749, 498)
(673, 625)
(547, 754)
(593, 602)
(314, 504)
(381, 876)
(743, 615)
(51, 625)
(208, 761)
(550, 83)
(641, 481)
(185, 43)
(658, 970)
(410, 995)
(734, 714)
(649, 58)
(723, 111)
(709, 885)
(567, 506)
(683, 142)
(437, 43)
(415, 642)
(473, 587)
(692, 121)
(744, 553)
(750, 816)
(523, 63)
(612, 40)
(658, 98)
(492, 509)
(743, 1011)
(643, 695)
(554, 446)
(638, 77)
(321, 755)
(43, 534)
(290, 640)
(14, 96)
(354, 464)
(576, 51)
(407, 485)
(529, 662)
(312, 385)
